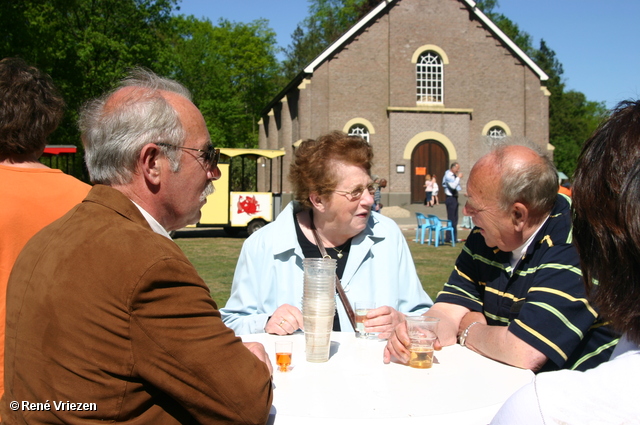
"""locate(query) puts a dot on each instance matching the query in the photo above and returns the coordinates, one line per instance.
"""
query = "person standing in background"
(428, 190)
(565, 188)
(33, 195)
(377, 205)
(451, 187)
(436, 190)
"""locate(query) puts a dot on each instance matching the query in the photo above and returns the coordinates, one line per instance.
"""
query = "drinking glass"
(422, 333)
(362, 308)
(284, 350)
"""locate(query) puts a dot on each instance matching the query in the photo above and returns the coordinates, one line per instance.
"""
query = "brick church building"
(425, 82)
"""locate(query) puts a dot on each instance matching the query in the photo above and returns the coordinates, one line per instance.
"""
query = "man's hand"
(285, 320)
(397, 349)
(383, 320)
(258, 350)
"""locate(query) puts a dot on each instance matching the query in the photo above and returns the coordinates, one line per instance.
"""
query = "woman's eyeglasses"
(211, 155)
(356, 193)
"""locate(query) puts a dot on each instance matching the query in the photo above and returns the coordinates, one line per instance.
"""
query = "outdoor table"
(356, 387)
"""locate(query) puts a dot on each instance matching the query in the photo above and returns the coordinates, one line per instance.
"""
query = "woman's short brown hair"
(311, 169)
(30, 108)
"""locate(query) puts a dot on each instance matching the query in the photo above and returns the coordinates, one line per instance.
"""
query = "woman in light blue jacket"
(333, 191)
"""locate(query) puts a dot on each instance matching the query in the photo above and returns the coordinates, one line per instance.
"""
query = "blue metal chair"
(423, 225)
(441, 227)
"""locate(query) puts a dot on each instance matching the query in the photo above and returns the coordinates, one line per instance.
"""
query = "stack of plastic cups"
(318, 306)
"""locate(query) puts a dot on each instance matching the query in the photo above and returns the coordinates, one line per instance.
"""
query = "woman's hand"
(285, 320)
(383, 320)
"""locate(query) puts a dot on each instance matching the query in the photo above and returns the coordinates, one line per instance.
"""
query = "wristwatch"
(462, 339)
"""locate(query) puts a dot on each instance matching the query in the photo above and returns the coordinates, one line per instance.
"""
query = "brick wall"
(372, 77)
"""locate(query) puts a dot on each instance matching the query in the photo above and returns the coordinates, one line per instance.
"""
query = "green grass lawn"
(215, 257)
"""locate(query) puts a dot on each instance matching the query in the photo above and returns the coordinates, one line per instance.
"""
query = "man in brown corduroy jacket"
(107, 320)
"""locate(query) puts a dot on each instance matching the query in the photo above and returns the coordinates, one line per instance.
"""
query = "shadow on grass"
(208, 232)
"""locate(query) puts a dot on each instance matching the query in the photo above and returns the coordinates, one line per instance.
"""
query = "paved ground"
(405, 216)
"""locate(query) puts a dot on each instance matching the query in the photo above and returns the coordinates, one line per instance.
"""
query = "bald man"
(516, 293)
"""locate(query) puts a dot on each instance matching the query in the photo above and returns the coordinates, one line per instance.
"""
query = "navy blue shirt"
(543, 301)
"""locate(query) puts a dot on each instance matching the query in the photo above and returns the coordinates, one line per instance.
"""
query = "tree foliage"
(231, 71)
(85, 45)
(327, 21)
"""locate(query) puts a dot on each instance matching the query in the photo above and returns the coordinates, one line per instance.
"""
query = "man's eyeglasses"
(211, 155)
(356, 193)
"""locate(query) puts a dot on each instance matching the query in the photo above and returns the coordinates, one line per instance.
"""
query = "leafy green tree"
(327, 21)
(572, 118)
(85, 45)
(231, 71)
(487, 6)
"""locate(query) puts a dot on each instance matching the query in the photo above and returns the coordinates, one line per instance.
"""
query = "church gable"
(414, 73)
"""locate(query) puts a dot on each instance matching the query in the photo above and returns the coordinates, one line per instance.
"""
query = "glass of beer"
(421, 353)
(422, 332)
(362, 308)
(284, 349)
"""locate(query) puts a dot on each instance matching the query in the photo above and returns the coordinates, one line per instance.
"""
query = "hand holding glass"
(422, 333)
(362, 308)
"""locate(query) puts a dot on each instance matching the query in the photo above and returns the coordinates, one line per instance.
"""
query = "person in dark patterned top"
(516, 293)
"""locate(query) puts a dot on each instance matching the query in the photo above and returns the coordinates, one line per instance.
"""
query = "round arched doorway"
(428, 157)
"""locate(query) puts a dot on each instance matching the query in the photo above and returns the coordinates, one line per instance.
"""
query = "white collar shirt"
(155, 226)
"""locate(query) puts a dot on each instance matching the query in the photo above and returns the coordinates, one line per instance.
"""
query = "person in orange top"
(32, 195)
(565, 188)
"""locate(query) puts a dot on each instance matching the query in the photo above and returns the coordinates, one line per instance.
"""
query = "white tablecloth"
(355, 386)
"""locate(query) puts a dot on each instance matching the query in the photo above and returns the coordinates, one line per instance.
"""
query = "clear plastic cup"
(317, 346)
(319, 275)
(361, 310)
(421, 353)
(422, 333)
(318, 324)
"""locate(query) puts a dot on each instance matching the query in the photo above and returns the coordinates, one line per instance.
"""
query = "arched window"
(497, 132)
(359, 130)
(429, 78)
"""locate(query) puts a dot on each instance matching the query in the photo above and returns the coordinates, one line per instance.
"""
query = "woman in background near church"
(333, 192)
(608, 241)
